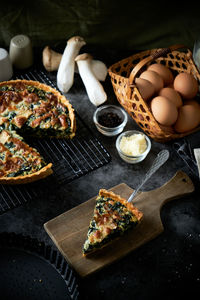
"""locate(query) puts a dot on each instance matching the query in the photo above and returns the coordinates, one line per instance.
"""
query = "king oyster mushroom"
(65, 75)
(99, 69)
(51, 61)
(93, 87)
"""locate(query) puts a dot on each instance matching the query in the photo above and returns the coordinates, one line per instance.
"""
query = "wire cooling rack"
(71, 158)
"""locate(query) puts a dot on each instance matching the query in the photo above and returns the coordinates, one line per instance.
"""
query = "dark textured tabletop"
(167, 267)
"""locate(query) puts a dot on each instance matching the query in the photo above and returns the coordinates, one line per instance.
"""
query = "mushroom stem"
(51, 62)
(51, 59)
(93, 87)
(65, 75)
(99, 69)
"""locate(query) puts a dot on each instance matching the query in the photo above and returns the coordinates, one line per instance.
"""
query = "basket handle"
(154, 55)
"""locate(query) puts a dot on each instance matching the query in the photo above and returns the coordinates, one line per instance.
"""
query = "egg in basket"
(159, 89)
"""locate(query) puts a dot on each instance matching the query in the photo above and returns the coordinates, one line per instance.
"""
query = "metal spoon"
(160, 159)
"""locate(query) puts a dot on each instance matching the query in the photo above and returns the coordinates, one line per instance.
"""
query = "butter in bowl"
(133, 146)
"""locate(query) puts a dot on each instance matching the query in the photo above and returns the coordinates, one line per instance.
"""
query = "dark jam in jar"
(109, 119)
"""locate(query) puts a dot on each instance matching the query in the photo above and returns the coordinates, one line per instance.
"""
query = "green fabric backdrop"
(118, 25)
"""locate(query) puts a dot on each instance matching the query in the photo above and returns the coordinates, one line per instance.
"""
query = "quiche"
(112, 217)
(30, 108)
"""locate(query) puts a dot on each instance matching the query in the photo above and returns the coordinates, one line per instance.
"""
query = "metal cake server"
(160, 159)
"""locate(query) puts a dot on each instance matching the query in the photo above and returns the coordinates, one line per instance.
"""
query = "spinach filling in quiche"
(30, 108)
(16, 157)
(112, 217)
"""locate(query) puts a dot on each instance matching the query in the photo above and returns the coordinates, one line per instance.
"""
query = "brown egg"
(188, 118)
(172, 95)
(196, 105)
(164, 110)
(163, 71)
(145, 88)
(186, 85)
(154, 78)
(192, 102)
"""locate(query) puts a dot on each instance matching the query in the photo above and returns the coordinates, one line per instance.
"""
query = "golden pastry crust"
(41, 174)
(47, 88)
(110, 220)
(47, 169)
(129, 205)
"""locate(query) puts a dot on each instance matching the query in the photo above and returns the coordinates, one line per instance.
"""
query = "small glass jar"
(110, 120)
(132, 159)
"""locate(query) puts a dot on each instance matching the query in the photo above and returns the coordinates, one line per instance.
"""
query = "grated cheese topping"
(133, 145)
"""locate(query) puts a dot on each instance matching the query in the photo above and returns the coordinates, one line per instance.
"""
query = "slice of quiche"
(20, 163)
(112, 217)
(30, 108)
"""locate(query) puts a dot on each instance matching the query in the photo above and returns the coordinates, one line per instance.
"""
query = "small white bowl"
(110, 131)
(129, 158)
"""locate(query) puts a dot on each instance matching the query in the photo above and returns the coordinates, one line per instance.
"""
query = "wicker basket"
(123, 74)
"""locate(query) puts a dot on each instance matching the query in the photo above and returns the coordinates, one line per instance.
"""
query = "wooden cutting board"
(68, 231)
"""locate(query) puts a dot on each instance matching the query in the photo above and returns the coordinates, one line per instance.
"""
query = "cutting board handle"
(179, 185)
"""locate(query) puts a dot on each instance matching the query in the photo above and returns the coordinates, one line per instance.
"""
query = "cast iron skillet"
(30, 270)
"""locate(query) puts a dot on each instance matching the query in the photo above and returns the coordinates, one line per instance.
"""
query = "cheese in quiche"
(112, 217)
(30, 108)
(16, 157)
(36, 109)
